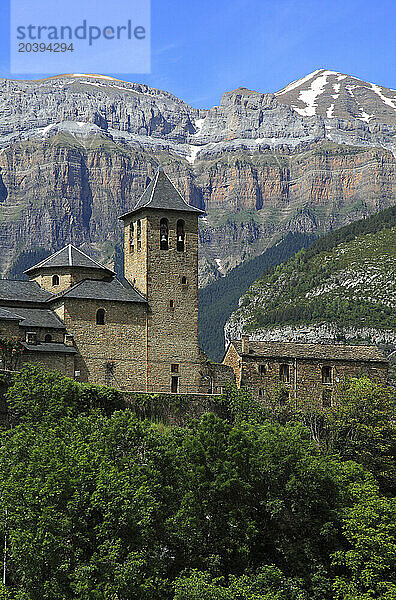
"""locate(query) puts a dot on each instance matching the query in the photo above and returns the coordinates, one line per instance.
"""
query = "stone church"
(140, 333)
(137, 334)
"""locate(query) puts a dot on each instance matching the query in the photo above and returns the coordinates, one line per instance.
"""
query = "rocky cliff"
(77, 151)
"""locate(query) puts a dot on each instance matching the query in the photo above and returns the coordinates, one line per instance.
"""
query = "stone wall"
(110, 354)
(54, 361)
(172, 327)
(67, 277)
(262, 377)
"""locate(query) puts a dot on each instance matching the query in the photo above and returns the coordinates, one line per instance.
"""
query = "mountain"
(76, 151)
(219, 299)
(338, 96)
(342, 288)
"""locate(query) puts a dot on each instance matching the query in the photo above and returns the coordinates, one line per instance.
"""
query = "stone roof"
(50, 347)
(6, 315)
(39, 317)
(93, 289)
(311, 351)
(22, 291)
(162, 194)
(69, 256)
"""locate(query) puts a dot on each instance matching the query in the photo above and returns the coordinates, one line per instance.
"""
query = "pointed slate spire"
(161, 194)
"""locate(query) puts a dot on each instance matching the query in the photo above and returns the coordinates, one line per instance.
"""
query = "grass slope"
(347, 277)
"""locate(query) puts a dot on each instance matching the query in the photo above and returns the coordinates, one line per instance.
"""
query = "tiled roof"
(6, 315)
(314, 351)
(69, 256)
(49, 347)
(91, 289)
(39, 317)
(162, 194)
(22, 291)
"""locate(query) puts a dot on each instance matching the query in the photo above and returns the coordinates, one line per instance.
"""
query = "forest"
(250, 502)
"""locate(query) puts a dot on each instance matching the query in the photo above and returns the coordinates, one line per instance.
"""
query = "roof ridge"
(72, 287)
(92, 259)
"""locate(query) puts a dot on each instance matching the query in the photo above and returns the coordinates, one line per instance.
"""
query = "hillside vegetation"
(218, 300)
(98, 504)
(347, 278)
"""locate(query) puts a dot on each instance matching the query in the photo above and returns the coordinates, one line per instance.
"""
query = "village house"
(295, 373)
(140, 333)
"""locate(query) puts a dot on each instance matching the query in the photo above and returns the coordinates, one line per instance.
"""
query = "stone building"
(137, 334)
(294, 373)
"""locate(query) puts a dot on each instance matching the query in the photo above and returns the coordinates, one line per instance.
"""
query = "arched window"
(55, 279)
(48, 338)
(164, 234)
(131, 238)
(100, 316)
(180, 235)
(139, 234)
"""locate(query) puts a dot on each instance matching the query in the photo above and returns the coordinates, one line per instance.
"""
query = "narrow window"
(174, 368)
(174, 384)
(283, 397)
(55, 279)
(180, 235)
(184, 280)
(131, 237)
(139, 234)
(48, 338)
(261, 392)
(100, 316)
(171, 304)
(326, 398)
(284, 373)
(262, 369)
(327, 375)
(164, 234)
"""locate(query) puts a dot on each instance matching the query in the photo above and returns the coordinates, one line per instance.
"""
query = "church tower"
(161, 261)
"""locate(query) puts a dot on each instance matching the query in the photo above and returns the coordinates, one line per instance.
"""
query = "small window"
(174, 384)
(171, 304)
(131, 237)
(48, 338)
(31, 337)
(284, 373)
(174, 368)
(327, 375)
(326, 398)
(55, 279)
(263, 369)
(283, 397)
(180, 236)
(261, 392)
(164, 234)
(139, 234)
(184, 280)
(100, 317)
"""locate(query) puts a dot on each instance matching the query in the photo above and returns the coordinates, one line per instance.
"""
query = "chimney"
(245, 344)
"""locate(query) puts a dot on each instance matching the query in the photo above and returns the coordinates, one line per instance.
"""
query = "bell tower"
(161, 261)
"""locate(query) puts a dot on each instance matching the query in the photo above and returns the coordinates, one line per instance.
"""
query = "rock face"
(77, 151)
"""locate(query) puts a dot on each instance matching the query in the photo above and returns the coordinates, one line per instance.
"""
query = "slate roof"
(69, 256)
(49, 347)
(311, 351)
(22, 291)
(162, 194)
(39, 317)
(6, 315)
(91, 289)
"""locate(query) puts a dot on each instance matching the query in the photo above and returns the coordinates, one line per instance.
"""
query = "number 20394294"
(43, 47)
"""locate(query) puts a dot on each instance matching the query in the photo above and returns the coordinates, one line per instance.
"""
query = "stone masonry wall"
(172, 330)
(110, 354)
(63, 363)
(305, 384)
(66, 277)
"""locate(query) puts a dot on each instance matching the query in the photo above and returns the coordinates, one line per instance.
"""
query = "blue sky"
(200, 49)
